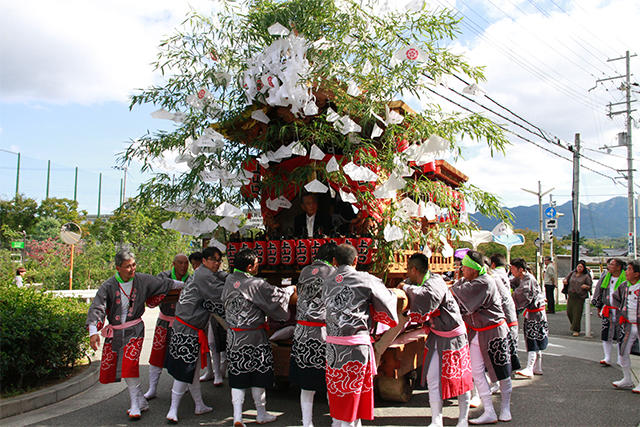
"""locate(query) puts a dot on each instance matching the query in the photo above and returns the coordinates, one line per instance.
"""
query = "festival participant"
(121, 299)
(447, 364)
(307, 365)
(248, 300)
(499, 274)
(529, 297)
(353, 300)
(627, 298)
(164, 323)
(550, 284)
(603, 301)
(195, 259)
(188, 344)
(481, 308)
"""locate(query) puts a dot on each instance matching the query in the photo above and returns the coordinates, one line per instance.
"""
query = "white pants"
(478, 368)
(625, 350)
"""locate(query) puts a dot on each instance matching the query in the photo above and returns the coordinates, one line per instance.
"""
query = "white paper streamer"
(345, 125)
(278, 29)
(316, 153)
(332, 165)
(392, 233)
(376, 131)
(359, 173)
(332, 116)
(260, 116)
(227, 210)
(213, 243)
(316, 186)
(230, 224)
(347, 197)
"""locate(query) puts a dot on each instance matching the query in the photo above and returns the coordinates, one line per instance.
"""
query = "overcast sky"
(68, 67)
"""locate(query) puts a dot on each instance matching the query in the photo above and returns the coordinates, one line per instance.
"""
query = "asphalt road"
(574, 391)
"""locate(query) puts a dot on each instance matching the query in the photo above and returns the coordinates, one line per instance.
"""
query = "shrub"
(42, 337)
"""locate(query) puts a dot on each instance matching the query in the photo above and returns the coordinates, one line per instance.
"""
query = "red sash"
(263, 326)
(314, 324)
(486, 328)
(202, 340)
(606, 309)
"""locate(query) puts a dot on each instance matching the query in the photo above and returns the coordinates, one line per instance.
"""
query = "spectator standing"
(549, 279)
(607, 309)
(628, 299)
(20, 272)
(579, 285)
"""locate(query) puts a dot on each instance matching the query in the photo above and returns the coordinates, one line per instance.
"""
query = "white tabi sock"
(489, 415)
(335, 422)
(207, 375)
(537, 366)
(196, 394)
(154, 377)
(528, 371)
(306, 405)
(133, 385)
(177, 391)
(237, 398)
(606, 346)
(463, 409)
(260, 399)
(505, 404)
(626, 382)
(436, 410)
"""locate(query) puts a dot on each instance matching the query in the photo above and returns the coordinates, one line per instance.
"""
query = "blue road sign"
(550, 212)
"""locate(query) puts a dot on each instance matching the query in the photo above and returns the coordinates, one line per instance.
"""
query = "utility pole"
(18, 177)
(539, 193)
(575, 204)
(628, 142)
(48, 176)
(75, 187)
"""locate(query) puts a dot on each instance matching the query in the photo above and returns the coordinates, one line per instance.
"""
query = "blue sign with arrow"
(550, 212)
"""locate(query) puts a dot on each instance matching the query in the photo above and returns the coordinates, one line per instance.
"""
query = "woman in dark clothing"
(579, 286)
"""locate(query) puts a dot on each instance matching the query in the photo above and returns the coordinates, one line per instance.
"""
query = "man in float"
(248, 300)
(481, 308)
(310, 222)
(628, 299)
(607, 309)
(447, 363)
(121, 299)
(353, 300)
(528, 296)
(307, 363)
(195, 259)
(188, 347)
(162, 335)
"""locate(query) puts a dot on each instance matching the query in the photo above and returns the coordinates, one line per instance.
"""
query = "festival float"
(285, 99)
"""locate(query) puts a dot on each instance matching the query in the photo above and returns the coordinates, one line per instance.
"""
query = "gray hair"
(123, 255)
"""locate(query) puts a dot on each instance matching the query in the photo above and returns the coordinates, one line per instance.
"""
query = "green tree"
(342, 60)
(64, 210)
(45, 228)
(16, 215)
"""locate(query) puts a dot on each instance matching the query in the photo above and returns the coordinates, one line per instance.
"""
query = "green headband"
(468, 262)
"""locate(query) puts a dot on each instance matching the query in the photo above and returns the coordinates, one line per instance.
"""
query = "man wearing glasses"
(188, 345)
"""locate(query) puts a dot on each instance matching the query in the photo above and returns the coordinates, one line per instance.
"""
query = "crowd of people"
(219, 323)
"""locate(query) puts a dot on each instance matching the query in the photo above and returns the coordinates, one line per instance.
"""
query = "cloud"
(81, 51)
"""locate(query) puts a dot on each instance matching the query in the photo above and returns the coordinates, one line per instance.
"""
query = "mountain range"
(597, 220)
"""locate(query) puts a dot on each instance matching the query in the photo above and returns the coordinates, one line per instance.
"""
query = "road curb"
(50, 395)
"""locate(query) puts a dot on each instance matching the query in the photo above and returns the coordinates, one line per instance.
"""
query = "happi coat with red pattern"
(432, 304)
(354, 300)
(121, 353)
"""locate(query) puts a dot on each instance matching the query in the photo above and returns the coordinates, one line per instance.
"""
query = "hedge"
(41, 337)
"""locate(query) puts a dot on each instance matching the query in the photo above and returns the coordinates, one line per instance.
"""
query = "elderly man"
(121, 299)
(200, 298)
(353, 300)
(447, 364)
(481, 307)
(162, 335)
(607, 308)
(627, 298)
